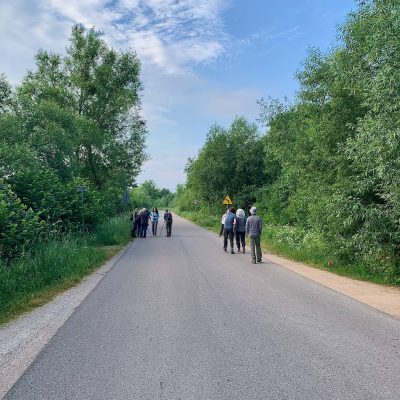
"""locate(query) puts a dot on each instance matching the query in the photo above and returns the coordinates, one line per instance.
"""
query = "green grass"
(56, 265)
(355, 270)
(202, 218)
(303, 246)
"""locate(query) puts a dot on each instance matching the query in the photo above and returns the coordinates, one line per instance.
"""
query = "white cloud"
(172, 34)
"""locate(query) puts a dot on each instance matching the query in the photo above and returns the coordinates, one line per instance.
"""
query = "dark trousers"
(143, 230)
(221, 230)
(228, 233)
(240, 239)
(154, 225)
(169, 228)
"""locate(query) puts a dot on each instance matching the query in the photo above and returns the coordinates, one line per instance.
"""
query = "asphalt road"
(177, 318)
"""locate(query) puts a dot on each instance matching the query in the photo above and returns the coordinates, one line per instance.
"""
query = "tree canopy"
(73, 121)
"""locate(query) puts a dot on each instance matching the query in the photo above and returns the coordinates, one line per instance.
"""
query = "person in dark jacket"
(228, 229)
(144, 222)
(254, 230)
(168, 222)
(135, 223)
(240, 230)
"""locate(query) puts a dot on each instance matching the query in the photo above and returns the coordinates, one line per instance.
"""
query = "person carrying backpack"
(168, 222)
(154, 215)
(254, 230)
(240, 230)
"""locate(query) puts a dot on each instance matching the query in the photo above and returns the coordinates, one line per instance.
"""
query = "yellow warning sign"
(227, 200)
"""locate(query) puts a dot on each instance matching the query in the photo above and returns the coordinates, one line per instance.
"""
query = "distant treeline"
(73, 122)
(148, 195)
(327, 170)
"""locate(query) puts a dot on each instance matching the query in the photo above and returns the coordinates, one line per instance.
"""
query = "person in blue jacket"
(154, 216)
(228, 229)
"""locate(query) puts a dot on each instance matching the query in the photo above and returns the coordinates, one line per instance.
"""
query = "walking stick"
(162, 228)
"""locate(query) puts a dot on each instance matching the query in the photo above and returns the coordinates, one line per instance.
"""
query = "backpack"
(169, 217)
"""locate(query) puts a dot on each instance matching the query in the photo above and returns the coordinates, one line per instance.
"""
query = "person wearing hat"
(240, 230)
(254, 230)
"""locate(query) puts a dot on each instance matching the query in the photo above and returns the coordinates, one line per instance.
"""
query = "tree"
(231, 162)
(5, 94)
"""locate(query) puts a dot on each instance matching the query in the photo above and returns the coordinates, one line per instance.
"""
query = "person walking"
(240, 230)
(254, 230)
(135, 223)
(228, 229)
(168, 222)
(144, 222)
(154, 215)
(222, 224)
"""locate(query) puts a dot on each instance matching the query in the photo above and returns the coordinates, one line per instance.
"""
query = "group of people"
(140, 222)
(235, 225)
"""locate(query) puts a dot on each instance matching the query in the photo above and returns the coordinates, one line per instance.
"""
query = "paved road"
(177, 318)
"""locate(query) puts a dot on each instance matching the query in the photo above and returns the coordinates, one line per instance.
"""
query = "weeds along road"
(177, 318)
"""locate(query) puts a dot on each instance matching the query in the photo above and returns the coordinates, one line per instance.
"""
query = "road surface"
(177, 318)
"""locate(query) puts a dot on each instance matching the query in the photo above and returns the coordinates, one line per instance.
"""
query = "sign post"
(227, 201)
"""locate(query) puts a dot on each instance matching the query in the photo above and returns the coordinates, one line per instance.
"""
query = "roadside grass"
(305, 247)
(356, 271)
(56, 265)
(202, 219)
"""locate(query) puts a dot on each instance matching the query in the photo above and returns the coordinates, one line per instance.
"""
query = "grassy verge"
(306, 247)
(57, 265)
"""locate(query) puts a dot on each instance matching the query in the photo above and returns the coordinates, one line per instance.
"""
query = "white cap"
(253, 210)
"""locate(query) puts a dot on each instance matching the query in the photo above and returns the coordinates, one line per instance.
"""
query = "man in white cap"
(254, 230)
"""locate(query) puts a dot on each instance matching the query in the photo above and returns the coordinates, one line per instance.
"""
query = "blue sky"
(203, 61)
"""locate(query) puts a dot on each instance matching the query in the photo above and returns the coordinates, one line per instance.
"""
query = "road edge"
(21, 340)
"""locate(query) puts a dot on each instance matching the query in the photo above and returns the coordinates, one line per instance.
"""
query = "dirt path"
(382, 298)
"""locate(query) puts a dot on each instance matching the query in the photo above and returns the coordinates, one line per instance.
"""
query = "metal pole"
(83, 214)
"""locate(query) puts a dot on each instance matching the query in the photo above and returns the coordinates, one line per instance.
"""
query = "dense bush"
(19, 226)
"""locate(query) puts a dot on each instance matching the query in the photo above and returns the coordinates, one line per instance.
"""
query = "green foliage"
(337, 147)
(231, 162)
(73, 121)
(113, 231)
(5, 94)
(19, 226)
(148, 195)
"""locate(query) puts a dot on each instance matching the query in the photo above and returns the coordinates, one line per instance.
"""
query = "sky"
(204, 62)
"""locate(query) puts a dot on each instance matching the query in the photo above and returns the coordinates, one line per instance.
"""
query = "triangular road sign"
(227, 200)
